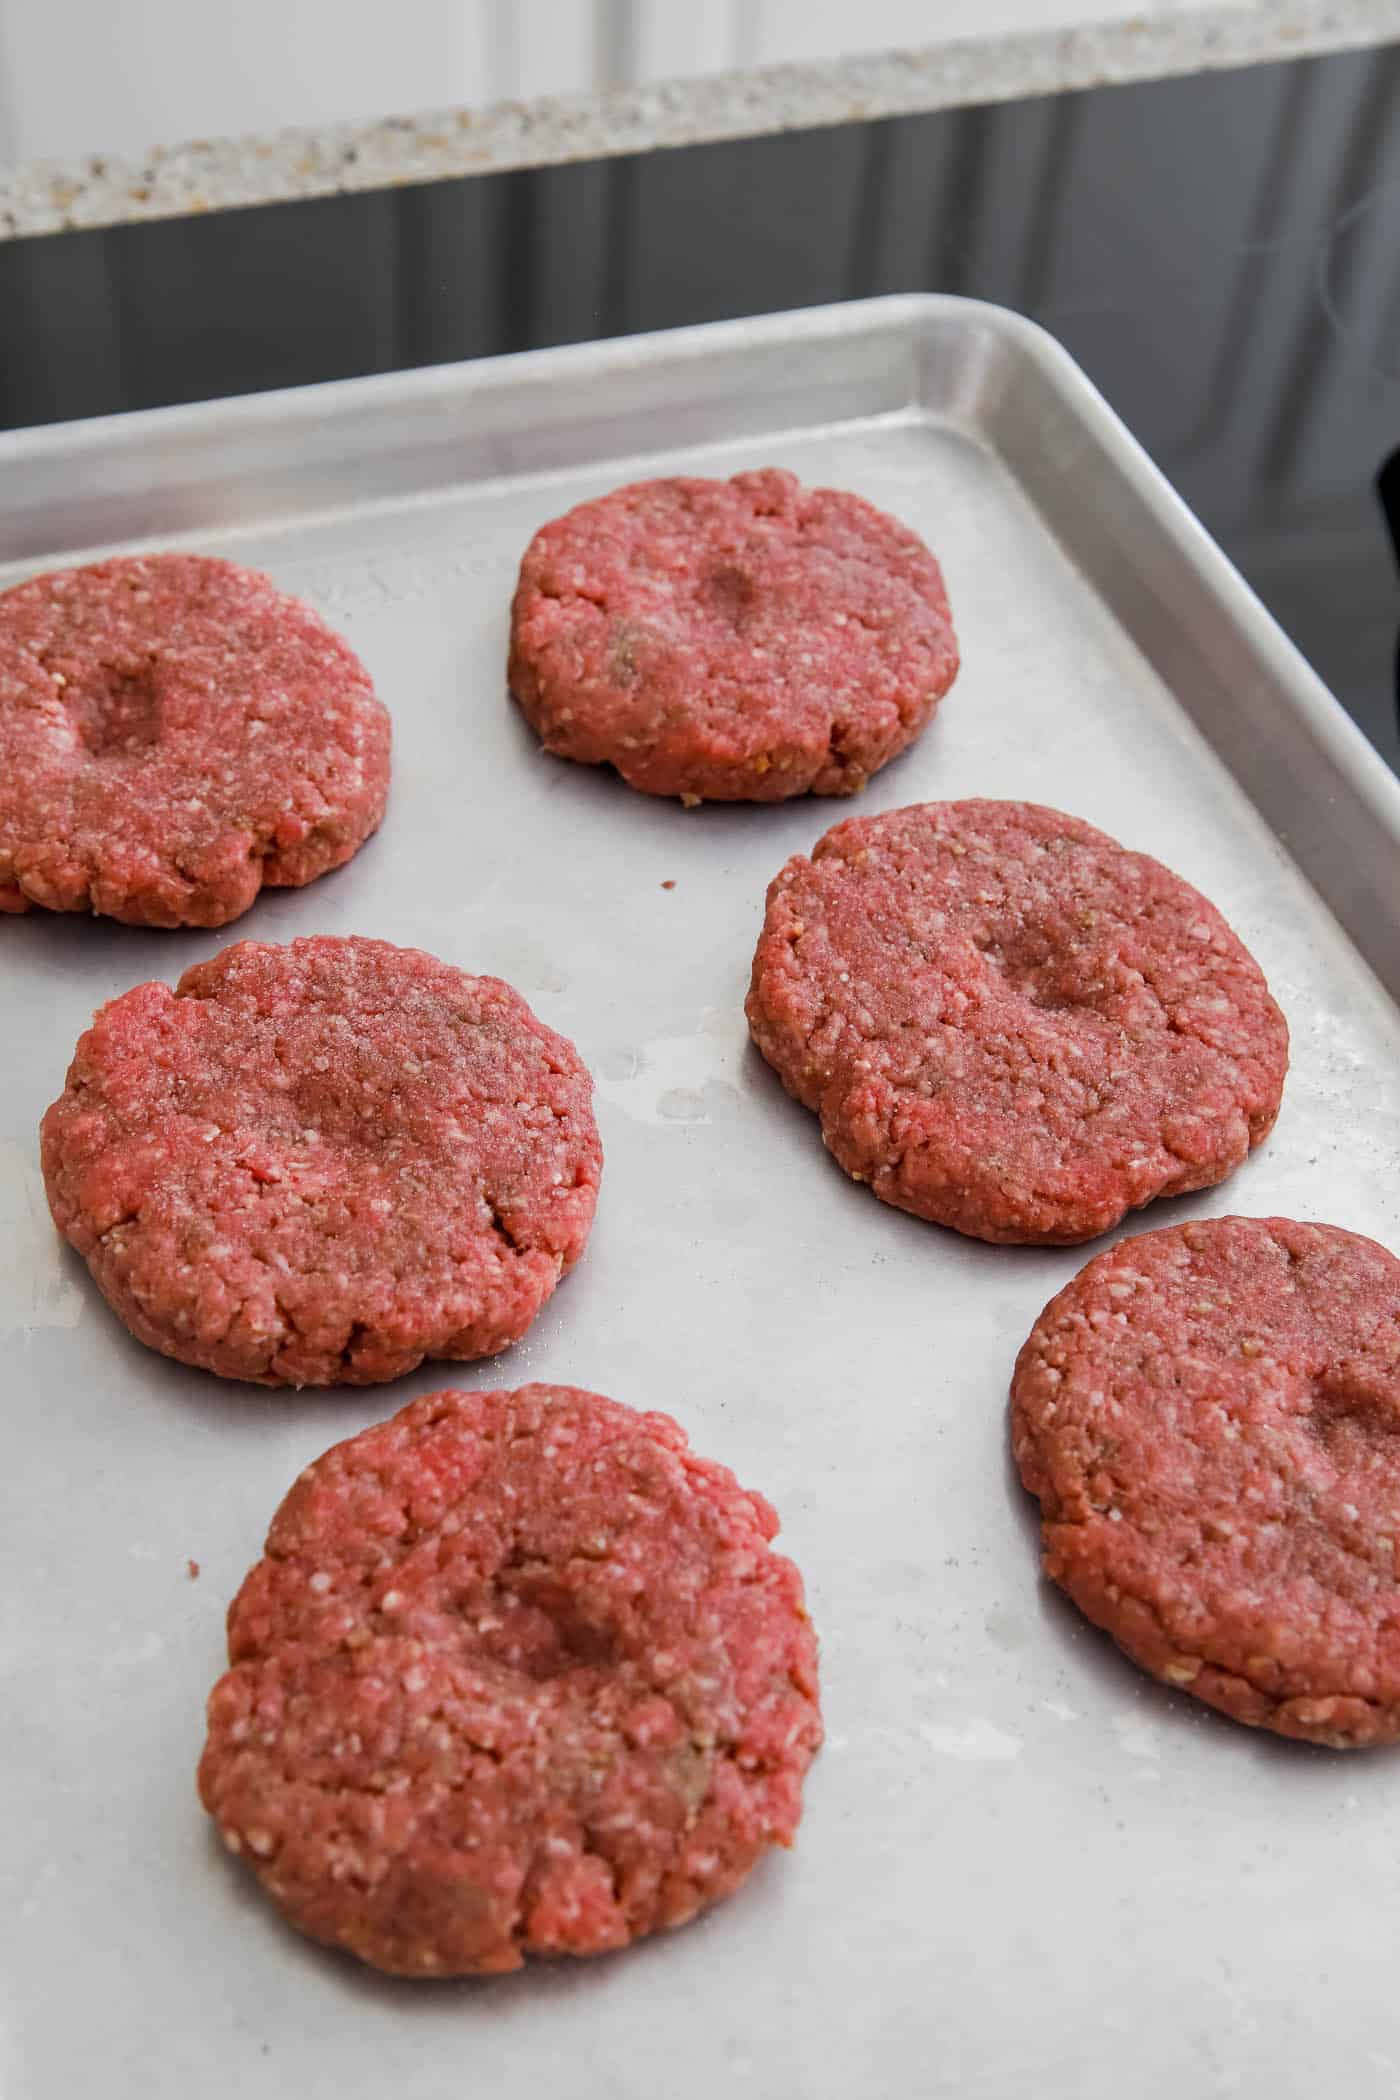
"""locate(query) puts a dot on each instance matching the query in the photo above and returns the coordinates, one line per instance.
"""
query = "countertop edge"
(287, 166)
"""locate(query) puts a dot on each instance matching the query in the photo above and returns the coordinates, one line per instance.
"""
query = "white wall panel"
(541, 47)
(115, 76)
(797, 29)
(674, 41)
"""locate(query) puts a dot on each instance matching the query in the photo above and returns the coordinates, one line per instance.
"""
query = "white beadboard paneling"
(155, 72)
(783, 30)
(544, 47)
(675, 42)
(118, 76)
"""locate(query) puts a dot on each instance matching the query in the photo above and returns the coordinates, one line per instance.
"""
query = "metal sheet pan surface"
(1023, 1866)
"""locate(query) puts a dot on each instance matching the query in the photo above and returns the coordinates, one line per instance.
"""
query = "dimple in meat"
(318, 1164)
(1010, 1024)
(518, 1674)
(1209, 1417)
(743, 640)
(174, 733)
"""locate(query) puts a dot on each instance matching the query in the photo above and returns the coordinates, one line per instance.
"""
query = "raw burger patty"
(1011, 1024)
(174, 733)
(742, 640)
(318, 1164)
(1210, 1417)
(519, 1675)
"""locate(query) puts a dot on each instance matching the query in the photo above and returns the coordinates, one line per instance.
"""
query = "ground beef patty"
(1210, 1417)
(519, 1675)
(1009, 1023)
(318, 1164)
(174, 733)
(738, 640)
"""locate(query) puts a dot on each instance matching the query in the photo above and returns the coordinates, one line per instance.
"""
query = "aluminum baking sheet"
(1023, 1867)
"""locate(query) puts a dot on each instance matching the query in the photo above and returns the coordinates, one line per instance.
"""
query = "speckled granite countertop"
(219, 174)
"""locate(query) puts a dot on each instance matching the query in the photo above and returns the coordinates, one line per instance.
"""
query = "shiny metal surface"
(1023, 1866)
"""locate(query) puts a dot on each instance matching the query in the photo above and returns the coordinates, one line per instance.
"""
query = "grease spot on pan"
(976, 1741)
(1136, 1736)
(677, 1078)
